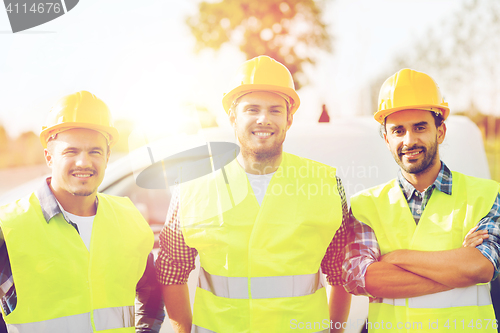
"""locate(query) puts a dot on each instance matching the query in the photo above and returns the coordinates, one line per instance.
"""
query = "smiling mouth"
(412, 153)
(81, 174)
(262, 134)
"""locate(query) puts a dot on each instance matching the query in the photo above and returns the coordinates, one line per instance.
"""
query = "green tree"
(290, 31)
(461, 53)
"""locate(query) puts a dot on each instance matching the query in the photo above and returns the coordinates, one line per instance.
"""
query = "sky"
(137, 56)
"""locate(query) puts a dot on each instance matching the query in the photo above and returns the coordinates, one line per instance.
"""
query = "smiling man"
(425, 245)
(262, 236)
(72, 259)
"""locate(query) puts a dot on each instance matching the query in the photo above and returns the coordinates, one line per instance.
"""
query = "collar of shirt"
(48, 202)
(442, 183)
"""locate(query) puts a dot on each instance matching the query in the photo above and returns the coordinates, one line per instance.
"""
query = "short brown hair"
(438, 121)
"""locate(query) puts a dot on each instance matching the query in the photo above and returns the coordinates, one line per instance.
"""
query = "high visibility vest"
(63, 287)
(260, 265)
(443, 225)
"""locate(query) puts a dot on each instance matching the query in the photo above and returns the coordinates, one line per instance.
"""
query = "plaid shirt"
(176, 259)
(364, 249)
(149, 304)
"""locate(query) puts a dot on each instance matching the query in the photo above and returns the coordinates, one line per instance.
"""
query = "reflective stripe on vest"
(261, 287)
(79, 323)
(104, 319)
(477, 295)
(199, 329)
(117, 317)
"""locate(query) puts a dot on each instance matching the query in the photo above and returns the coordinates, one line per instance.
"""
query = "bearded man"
(262, 236)
(424, 245)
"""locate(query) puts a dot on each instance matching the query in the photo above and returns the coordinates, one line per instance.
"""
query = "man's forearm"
(149, 311)
(389, 281)
(176, 299)
(456, 268)
(339, 306)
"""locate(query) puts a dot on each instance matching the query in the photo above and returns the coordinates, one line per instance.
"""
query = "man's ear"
(441, 133)
(48, 157)
(289, 121)
(386, 141)
(232, 117)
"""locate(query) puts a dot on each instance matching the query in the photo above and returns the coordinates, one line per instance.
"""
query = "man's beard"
(82, 193)
(260, 154)
(268, 154)
(428, 161)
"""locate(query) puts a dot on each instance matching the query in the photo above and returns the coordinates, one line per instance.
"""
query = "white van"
(352, 145)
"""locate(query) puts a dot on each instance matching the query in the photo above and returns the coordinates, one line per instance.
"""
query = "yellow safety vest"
(442, 226)
(63, 287)
(260, 265)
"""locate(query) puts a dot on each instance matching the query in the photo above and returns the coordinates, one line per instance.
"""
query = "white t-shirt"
(84, 224)
(259, 184)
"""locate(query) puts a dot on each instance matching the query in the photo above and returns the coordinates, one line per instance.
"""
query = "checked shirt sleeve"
(176, 259)
(331, 264)
(490, 247)
(361, 251)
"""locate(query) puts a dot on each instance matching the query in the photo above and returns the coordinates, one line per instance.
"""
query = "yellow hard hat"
(263, 73)
(409, 89)
(79, 110)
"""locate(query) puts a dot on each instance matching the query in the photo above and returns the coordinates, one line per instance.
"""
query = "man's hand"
(475, 238)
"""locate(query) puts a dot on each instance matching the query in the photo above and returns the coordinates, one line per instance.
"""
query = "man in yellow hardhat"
(263, 251)
(425, 244)
(72, 259)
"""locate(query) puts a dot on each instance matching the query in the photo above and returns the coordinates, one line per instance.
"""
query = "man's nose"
(410, 138)
(83, 160)
(263, 118)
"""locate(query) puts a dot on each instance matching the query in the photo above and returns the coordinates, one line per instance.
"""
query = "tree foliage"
(461, 53)
(290, 31)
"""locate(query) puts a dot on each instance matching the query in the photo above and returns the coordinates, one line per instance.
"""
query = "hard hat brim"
(48, 132)
(381, 115)
(228, 98)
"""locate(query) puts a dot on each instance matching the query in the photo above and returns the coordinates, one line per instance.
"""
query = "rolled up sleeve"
(490, 247)
(361, 251)
(175, 259)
